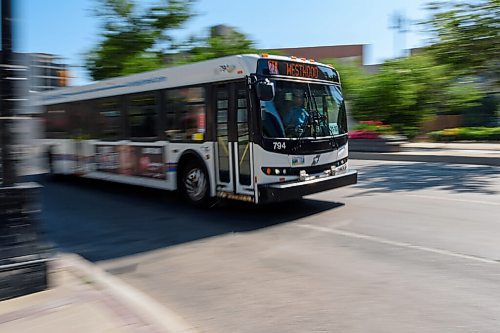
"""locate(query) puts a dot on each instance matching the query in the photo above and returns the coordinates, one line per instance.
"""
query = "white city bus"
(218, 128)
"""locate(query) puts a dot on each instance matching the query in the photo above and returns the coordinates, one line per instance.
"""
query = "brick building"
(348, 53)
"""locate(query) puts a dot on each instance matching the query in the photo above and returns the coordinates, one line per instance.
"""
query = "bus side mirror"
(265, 90)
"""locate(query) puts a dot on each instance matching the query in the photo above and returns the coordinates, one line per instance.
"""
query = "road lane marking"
(395, 243)
(454, 199)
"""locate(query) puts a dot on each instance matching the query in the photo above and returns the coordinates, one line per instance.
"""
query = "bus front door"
(233, 147)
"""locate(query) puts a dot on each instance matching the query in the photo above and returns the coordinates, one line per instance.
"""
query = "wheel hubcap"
(195, 183)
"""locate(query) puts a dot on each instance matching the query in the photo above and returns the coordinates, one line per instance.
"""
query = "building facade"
(35, 73)
(343, 53)
(43, 71)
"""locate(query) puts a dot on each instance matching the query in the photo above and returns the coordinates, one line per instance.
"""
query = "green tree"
(406, 91)
(216, 45)
(465, 35)
(351, 76)
(135, 37)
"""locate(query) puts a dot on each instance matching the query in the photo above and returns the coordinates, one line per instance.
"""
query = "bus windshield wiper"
(318, 120)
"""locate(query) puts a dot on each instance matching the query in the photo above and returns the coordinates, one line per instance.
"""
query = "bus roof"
(213, 70)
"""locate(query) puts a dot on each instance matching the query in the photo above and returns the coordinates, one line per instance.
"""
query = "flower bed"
(363, 134)
(374, 136)
(373, 128)
(466, 133)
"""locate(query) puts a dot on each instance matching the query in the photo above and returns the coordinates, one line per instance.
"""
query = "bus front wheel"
(195, 184)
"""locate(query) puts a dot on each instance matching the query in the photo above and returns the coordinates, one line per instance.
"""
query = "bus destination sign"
(296, 69)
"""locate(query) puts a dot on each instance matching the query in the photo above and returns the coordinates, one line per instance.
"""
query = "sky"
(69, 29)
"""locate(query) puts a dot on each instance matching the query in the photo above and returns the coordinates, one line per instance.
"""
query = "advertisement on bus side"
(127, 160)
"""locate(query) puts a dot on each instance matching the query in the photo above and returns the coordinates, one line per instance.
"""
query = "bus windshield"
(301, 110)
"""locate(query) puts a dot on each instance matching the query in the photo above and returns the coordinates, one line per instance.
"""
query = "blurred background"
(416, 69)
(413, 246)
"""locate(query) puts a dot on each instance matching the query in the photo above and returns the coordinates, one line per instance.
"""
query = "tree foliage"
(134, 37)
(405, 91)
(216, 45)
(464, 48)
(466, 35)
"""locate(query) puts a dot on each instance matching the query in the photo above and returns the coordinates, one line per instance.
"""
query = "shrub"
(467, 133)
(370, 129)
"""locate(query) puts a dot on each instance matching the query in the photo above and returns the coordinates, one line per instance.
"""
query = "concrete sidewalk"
(454, 153)
(85, 299)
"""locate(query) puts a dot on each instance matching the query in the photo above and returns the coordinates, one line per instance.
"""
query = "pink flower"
(363, 134)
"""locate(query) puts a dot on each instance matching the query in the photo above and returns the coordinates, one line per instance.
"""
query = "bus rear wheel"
(195, 184)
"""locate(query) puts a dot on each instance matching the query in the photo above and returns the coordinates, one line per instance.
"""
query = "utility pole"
(6, 97)
(399, 23)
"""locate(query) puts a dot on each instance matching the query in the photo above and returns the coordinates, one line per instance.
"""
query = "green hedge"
(467, 133)
(374, 126)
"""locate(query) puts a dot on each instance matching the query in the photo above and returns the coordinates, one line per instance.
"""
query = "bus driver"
(297, 116)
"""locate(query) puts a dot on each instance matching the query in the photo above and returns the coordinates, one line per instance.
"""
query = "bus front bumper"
(296, 189)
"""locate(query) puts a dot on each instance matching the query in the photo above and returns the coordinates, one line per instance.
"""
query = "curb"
(408, 157)
(143, 305)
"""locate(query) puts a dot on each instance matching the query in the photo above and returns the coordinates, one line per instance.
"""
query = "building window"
(185, 114)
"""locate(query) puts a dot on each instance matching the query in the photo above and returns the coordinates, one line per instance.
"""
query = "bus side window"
(142, 116)
(79, 121)
(109, 119)
(56, 121)
(186, 114)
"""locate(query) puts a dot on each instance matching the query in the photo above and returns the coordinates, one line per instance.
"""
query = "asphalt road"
(413, 247)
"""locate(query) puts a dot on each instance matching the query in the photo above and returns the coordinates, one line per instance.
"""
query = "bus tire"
(194, 184)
